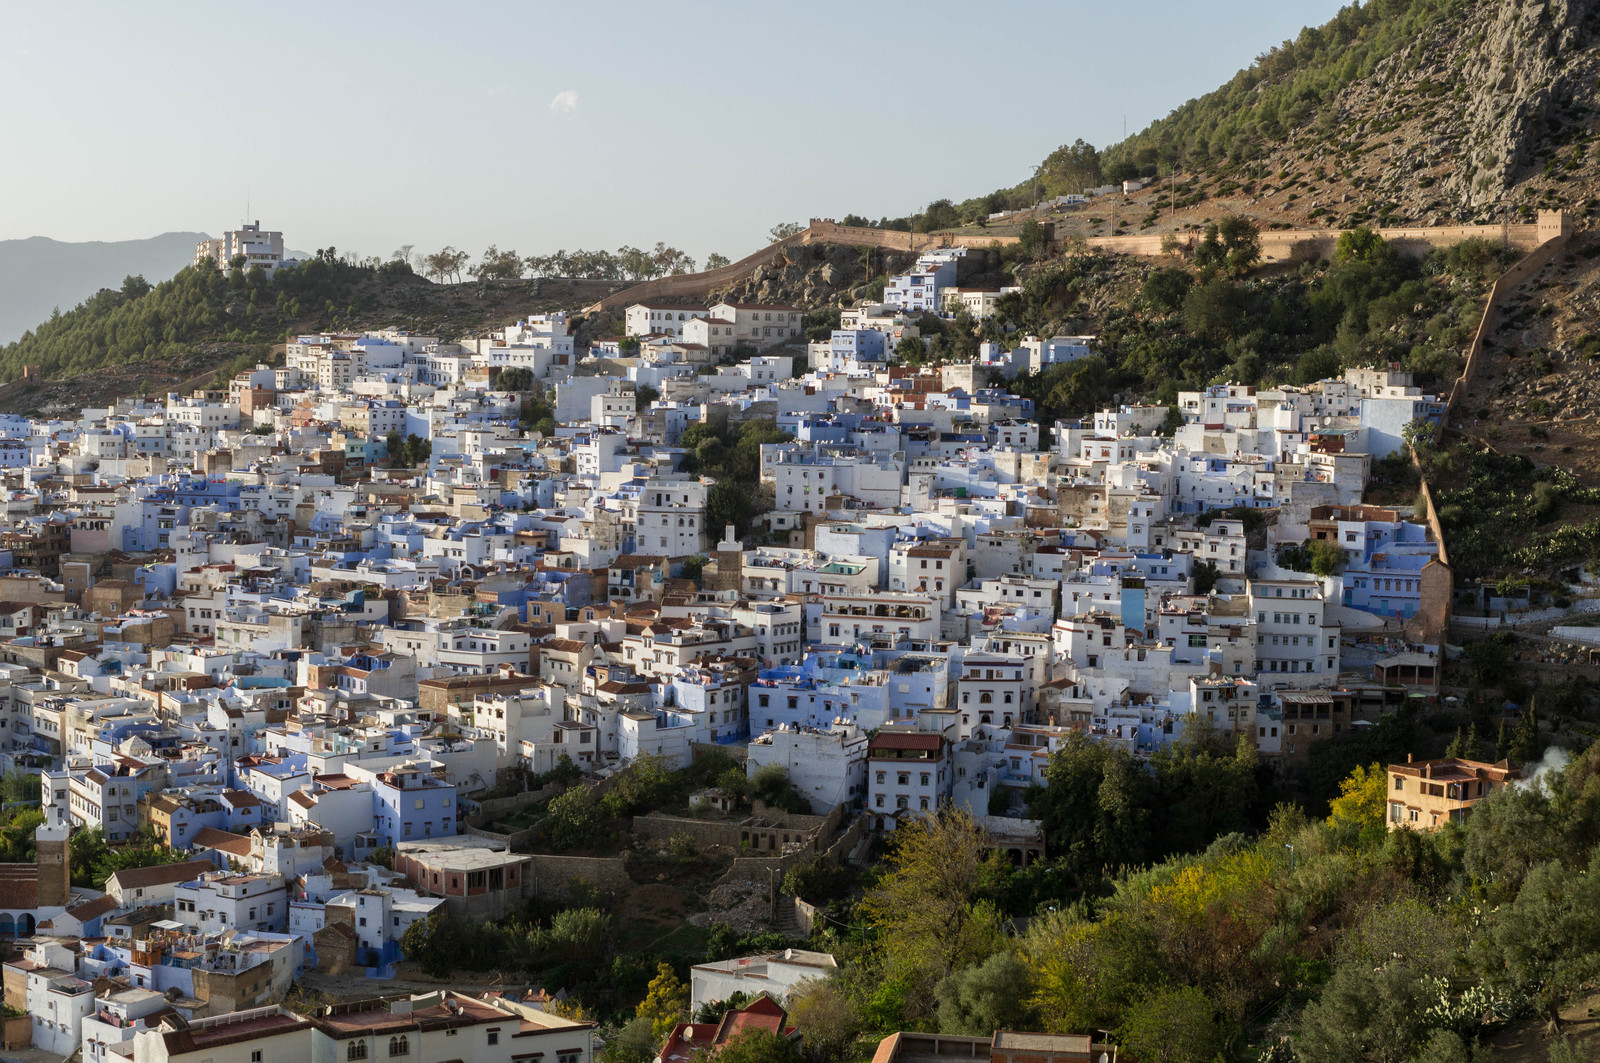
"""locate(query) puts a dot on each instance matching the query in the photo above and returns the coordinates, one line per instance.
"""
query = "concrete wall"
(820, 231)
(695, 285)
(16, 1032)
(767, 830)
(499, 807)
(1282, 245)
(1509, 281)
(554, 876)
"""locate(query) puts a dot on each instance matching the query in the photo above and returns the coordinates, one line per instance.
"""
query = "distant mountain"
(38, 275)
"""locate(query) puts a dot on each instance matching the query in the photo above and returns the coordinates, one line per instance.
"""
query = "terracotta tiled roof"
(165, 874)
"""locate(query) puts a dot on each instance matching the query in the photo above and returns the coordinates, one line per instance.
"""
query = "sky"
(537, 126)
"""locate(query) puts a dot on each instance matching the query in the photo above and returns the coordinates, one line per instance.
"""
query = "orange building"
(1424, 794)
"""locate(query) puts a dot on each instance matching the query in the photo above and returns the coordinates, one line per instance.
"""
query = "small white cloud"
(566, 102)
(498, 90)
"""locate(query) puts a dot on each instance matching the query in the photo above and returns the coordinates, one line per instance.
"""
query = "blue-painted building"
(411, 803)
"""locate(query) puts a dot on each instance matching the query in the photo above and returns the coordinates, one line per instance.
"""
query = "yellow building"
(1424, 794)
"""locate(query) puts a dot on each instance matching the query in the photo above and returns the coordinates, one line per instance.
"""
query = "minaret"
(730, 562)
(55, 863)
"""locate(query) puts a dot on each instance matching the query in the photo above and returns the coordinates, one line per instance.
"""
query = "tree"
(1233, 243)
(581, 935)
(1166, 288)
(1175, 1025)
(1546, 943)
(1419, 433)
(755, 1046)
(446, 262)
(571, 819)
(1033, 240)
(1490, 660)
(940, 214)
(1362, 800)
(134, 286)
(515, 378)
(1206, 574)
(18, 785)
(1072, 167)
(495, 264)
(991, 996)
(827, 1019)
(727, 503)
(1525, 743)
(771, 784)
(645, 784)
(1362, 245)
(1096, 805)
(1325, 556)
(716, 261)
(713, 1010)
(665, 1003)
(635, 1042)
(911, 349)
(926, 908)
(1214, 309)
(784, 230)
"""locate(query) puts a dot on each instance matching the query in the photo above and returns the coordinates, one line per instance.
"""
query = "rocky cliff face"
(1486, 116)
(1528, 79)
(811, 275)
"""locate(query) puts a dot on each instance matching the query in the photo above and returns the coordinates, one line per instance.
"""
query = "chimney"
(1408, 758)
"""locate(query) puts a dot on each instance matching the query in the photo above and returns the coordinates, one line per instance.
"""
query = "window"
(399, 1046)
(255, 1056)
(494, 1037)
(356, 1050)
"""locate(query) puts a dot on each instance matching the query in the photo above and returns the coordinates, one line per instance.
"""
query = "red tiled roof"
(906, 740)
(166, 874)
(689, 1039)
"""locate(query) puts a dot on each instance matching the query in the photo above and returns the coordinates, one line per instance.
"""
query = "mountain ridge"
(39, 274)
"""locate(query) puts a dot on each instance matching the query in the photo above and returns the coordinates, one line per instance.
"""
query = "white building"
(828, 766)
(264, 249)
(642, 319)
(776, 975)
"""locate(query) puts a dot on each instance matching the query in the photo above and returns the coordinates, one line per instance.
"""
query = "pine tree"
(1525, 739)
(1457, 745)
(1502, 744)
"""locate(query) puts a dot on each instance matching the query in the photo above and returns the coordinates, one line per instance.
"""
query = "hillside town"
(324, 632)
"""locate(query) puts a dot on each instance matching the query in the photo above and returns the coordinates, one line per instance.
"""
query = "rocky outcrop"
(813, 275)
(1482, 117)
(1532, 72)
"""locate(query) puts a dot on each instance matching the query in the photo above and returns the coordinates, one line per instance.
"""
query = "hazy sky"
(577, 124)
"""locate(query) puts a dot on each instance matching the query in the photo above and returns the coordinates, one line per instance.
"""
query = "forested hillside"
(141, 322)
(38, 273)
(1393, 112)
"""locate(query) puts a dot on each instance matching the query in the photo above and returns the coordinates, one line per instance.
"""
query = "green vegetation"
(626, 263)
(1102, 810)
(1353, 942)
(576, 818)
(200, 304)
(1500, 512)
(732, 456)
(1289, 87)
(17, 824)
(1166, 329)
(94, 860)
(411, 452)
